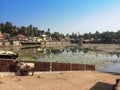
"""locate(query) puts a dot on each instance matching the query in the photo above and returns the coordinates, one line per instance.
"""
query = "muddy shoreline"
(110, 48)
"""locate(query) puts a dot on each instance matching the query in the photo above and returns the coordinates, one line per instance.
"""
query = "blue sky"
(64, 16)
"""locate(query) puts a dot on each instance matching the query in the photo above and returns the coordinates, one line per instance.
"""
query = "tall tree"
(48, 32)
(2, 28)
(8, 28)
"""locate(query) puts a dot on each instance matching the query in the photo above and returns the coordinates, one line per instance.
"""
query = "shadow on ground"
(102, 86)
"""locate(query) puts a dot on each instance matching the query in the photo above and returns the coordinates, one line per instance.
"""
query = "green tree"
(2, 28)
(8, 28)
(48, 32)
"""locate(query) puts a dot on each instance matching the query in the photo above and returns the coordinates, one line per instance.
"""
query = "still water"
(100, 59)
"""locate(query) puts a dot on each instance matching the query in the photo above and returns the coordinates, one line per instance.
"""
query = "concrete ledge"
(2, 74)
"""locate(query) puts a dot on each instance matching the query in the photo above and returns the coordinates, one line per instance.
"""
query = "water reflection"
(72, 50)
(112, 68)
(48, 50)
(70, 55)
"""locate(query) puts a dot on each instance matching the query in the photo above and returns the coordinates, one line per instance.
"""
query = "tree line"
(30, 30)
(104, 37)
(97, 37)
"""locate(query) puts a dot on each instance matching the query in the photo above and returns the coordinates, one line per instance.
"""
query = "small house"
(4, 39)
(20, 37)
(16, 43)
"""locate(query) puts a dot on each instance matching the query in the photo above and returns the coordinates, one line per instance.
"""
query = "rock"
(117, 85)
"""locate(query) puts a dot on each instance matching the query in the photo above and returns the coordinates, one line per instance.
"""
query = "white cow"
(24, 67)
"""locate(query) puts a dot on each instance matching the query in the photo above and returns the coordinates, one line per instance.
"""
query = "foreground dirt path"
(77, 80)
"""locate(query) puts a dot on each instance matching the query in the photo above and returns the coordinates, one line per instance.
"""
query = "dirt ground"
(73, 80)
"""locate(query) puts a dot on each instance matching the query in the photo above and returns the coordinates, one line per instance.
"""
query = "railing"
(9, 66)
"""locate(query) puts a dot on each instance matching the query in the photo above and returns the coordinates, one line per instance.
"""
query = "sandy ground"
(77, 80)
